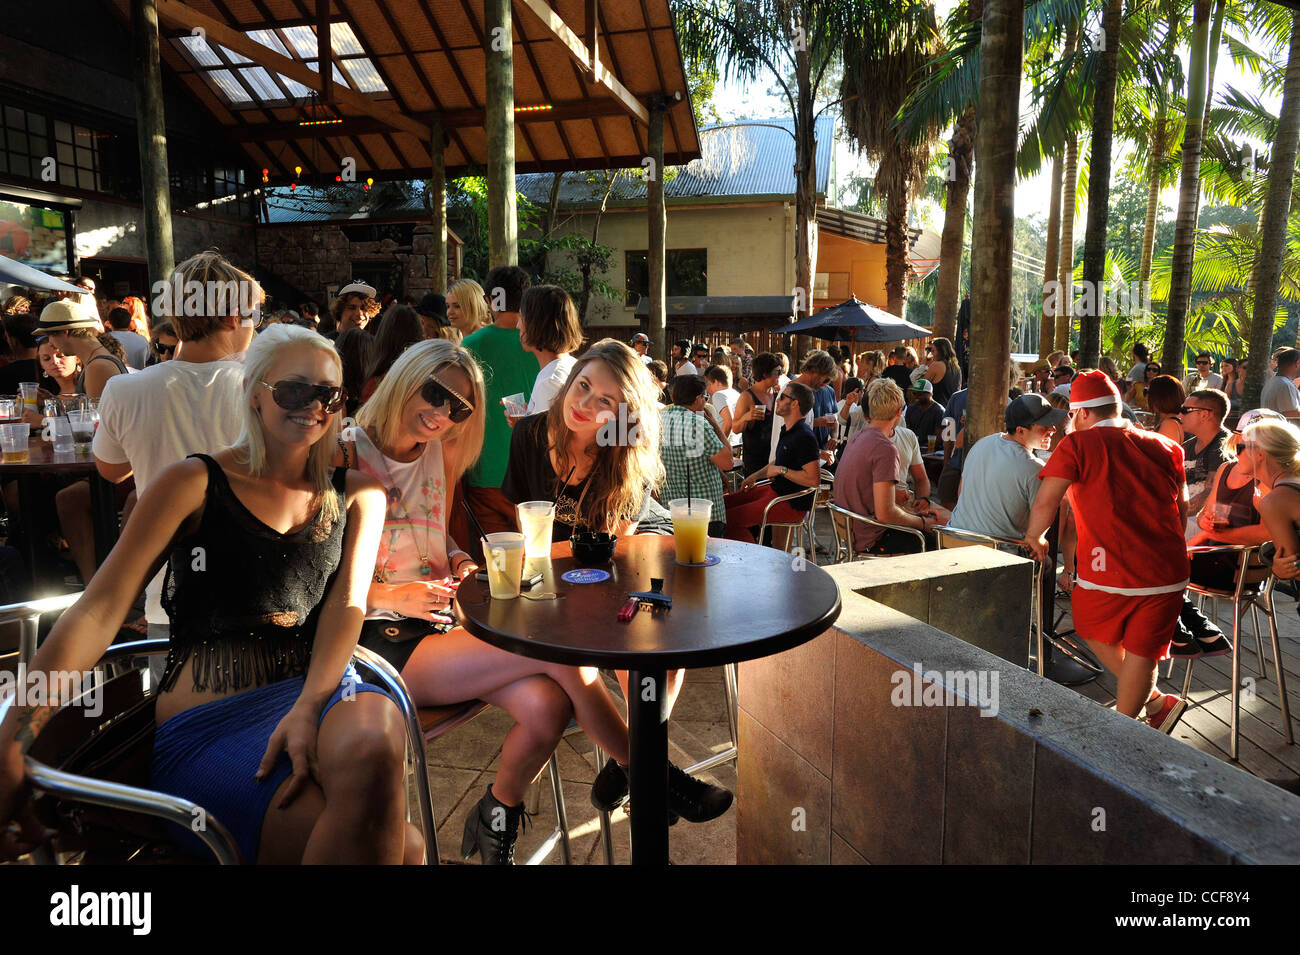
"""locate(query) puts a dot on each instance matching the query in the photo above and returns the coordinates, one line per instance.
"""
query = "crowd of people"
(337, 467)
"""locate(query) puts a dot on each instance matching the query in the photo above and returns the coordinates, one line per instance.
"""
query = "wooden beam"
(324, 51)
(656, 254)
(177, 14)
(503, 248)
(438, 198)
(560, 30)
(593, 34)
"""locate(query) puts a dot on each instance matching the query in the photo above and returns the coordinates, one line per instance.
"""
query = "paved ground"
(462, 763)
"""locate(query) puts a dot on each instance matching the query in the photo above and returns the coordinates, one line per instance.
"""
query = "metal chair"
(427, 723)
(948, 537)
(1252, 589)
(842, 524)
(801, 529)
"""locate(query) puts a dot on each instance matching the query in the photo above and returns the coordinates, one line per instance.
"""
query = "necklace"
(395, 498)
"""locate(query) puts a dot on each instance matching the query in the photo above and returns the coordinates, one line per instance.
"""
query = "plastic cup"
(13, 442)
(10, 408)
(504, 552)
(516, 405)
(83, 428)
(760, 411)
(691, 528)
(28, 390)
(536, 520)
(61, 433)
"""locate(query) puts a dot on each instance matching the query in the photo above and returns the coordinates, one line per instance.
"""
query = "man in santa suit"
(1129, 496)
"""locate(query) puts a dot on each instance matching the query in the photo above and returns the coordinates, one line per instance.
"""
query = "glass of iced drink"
(691, 528)
(13, 442)
(536, 520)
(504, 553)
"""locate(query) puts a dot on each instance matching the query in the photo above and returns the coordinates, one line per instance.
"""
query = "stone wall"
(849, 755)
(315, 255)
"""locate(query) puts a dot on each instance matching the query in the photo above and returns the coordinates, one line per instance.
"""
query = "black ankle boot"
(491, 829)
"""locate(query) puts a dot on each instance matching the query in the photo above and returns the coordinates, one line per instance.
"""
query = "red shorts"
(1141, 625)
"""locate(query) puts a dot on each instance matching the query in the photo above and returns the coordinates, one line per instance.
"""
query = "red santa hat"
(1092, 389)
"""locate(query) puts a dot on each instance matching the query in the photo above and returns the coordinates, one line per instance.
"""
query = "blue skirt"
(209, 753)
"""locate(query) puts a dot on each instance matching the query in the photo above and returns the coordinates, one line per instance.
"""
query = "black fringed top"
(243, 598)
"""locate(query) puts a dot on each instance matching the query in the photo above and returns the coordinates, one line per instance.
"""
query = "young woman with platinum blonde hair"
(270, 561)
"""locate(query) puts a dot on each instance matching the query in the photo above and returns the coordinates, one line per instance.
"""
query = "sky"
(763, 100)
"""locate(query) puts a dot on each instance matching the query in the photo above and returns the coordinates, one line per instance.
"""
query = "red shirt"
(1125, 485)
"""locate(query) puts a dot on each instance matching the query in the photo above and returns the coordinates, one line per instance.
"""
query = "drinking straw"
(473, 520)
(688, 484)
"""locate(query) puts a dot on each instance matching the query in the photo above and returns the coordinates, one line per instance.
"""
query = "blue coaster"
(712, 559)
(585, 575)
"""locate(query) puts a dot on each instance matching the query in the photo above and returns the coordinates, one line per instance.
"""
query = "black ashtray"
(591, 547)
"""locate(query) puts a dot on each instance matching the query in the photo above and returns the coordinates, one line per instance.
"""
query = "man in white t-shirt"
(1279, 392)
(723, 398)
(168, 411)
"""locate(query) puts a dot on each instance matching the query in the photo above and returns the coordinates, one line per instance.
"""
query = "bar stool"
(428, 723)
(1252, 589)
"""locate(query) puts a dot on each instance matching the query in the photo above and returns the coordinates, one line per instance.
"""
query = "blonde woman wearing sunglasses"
(271, 552)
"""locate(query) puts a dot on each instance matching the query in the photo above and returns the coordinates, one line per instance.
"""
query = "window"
(34, 147)
(687, 273)
(243, 83)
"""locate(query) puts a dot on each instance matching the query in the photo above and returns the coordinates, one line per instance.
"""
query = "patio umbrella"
(16, 273)
(856, 321)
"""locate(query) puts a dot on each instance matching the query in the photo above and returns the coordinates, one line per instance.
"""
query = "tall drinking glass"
(536, 520)
(13, 442)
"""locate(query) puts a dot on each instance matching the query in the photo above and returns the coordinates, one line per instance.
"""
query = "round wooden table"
(754, 602)
(41, 461)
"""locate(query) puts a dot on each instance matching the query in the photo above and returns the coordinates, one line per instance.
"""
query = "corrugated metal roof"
(739, 160)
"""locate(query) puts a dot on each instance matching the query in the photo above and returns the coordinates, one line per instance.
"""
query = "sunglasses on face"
(296, 395)
(1202, 361)
(160, 349)
(439, 396)
(1185, 409)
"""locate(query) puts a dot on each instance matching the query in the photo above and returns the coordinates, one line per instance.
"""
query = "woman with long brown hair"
(943, 372)
(1165, 397)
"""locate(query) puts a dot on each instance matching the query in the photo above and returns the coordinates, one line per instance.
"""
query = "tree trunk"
(1051, 296)
(1273, 221)
(1154, 159)
(503, 228)
(805, 196)
(155, 181)
(1180, 284)
(895, 241)
(1069, 191)
(1094, 237)
(993, 235)
(961, 151)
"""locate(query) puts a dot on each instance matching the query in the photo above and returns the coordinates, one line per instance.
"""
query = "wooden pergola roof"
(418, 59)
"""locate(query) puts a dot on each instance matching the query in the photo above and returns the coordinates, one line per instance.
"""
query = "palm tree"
(992, 243)
(794, 42)
(1103, 132)
(1273, 221)
(1180, 290)
(885, 59)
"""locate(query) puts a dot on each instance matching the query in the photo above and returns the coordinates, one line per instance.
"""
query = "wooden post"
(503, 247)
(438, 199)
(155, 182)
(657, 253)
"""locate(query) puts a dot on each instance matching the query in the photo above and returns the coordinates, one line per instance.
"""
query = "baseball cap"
(367, 290)
(1256, 415)
(640, 338)
(923, 384)
(1061, 371)
(1031, 409)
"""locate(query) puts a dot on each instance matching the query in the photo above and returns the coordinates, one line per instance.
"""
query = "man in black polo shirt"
(1203, 413)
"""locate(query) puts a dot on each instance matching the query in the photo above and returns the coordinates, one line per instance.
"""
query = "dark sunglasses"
(1188, 408)
(1203, 361)
(296, 395)
(438, 395)
(160, 349)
